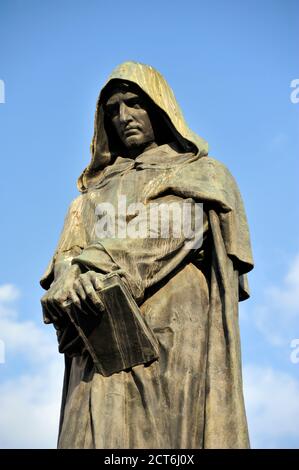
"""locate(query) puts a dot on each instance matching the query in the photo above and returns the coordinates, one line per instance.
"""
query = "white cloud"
(27, 339)
(35, 343)
(30, 398)
(287, 296)
(30, 406)
(278, 317)
(272, 405)
(8, 293)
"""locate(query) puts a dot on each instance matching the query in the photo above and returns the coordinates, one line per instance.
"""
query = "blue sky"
(230, 65)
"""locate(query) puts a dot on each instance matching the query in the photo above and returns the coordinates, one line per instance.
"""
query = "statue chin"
(136, 146)
(133, 141)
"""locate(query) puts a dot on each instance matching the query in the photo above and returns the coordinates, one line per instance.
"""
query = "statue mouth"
(131, 131)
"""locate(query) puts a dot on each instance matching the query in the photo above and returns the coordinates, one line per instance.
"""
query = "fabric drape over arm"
(208, 181)
(144, 262)
(72, 241)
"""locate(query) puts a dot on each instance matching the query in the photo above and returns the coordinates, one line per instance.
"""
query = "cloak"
(192, 396)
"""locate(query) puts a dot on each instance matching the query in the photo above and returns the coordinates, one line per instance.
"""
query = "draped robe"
(191, 397)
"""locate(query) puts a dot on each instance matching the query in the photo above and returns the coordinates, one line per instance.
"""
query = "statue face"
(129, 116)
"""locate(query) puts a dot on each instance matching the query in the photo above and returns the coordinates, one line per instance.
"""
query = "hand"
(58, 293)
(72, 287)
(85, 290)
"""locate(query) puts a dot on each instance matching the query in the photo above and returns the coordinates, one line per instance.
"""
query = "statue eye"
(134, 103)
(112, 110)
(137, 105)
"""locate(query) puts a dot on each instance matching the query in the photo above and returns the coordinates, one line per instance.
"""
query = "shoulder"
(210, 179)
(212, 170)
(211, 164)
(77, 203)
(78, 199)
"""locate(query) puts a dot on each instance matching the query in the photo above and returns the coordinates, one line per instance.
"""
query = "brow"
(112, 106)
(114, 99)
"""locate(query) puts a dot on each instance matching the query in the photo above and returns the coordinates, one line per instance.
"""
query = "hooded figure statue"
(191, 396)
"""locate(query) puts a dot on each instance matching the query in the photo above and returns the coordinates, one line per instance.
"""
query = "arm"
(60, 276)
(143, 262)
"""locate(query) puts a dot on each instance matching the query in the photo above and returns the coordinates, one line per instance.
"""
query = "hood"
(153, 84)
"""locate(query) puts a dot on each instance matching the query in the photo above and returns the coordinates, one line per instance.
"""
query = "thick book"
(117, 338)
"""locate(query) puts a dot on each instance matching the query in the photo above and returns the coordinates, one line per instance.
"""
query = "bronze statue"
(148, 323)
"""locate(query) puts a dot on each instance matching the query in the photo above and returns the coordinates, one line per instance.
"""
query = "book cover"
(118, 338)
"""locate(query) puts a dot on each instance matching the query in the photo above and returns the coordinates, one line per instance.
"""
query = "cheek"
(146, 123)
(116, 124)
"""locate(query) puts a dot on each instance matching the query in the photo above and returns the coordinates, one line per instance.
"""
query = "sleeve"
(71, 243)
(209, 181)
(157, 240)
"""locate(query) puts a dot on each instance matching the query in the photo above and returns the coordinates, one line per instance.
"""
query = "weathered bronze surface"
(187, 392)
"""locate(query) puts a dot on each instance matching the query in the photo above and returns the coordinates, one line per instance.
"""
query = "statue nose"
(124, 113)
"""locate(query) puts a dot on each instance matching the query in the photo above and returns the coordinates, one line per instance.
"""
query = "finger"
(78, 288)
(46, 315)
(93, 295)
(96, 280)
(58, 302)
(73, 296)
(94, 308)
(52, 310)
(57, 308)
